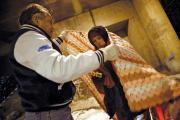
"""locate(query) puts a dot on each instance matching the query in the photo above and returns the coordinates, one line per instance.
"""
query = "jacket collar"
(32, 27)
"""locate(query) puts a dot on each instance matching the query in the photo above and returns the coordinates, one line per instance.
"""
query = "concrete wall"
(80, 22)
(107, 15)
(114, 13)
(139, 39)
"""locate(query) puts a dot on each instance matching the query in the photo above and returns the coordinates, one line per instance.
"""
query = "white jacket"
(33, 50)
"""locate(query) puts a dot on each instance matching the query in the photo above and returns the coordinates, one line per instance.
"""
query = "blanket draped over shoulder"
(144, 87)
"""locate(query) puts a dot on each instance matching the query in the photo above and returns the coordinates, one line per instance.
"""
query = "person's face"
(45, 22)
(98, 41)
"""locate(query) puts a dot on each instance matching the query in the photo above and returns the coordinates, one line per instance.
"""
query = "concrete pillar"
(139, 39)
(77, 6)
(162, 35)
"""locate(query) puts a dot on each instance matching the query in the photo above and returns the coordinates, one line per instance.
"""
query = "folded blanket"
(144, 87)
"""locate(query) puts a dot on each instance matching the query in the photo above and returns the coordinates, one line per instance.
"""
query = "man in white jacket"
(43, 74)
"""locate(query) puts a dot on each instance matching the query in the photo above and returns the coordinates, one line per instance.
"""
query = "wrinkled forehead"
(46, 13)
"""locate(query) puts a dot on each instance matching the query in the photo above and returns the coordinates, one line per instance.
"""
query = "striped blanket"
(144, 87)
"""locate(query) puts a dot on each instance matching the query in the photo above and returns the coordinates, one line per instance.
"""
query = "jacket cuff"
(100, 56)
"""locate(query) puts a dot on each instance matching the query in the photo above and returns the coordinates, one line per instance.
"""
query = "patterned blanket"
(144, 87)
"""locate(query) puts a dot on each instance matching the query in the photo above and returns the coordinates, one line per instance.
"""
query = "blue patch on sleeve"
(44, 47)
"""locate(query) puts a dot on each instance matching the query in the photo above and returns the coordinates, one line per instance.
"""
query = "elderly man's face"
(45, 22)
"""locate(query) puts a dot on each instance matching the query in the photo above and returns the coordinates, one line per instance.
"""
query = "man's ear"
(36, 18)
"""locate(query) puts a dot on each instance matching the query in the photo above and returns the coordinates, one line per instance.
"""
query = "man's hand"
(111, 52)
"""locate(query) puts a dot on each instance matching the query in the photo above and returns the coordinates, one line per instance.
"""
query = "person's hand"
(111, 52)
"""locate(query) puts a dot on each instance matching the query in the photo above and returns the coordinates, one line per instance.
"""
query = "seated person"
(106, 80)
